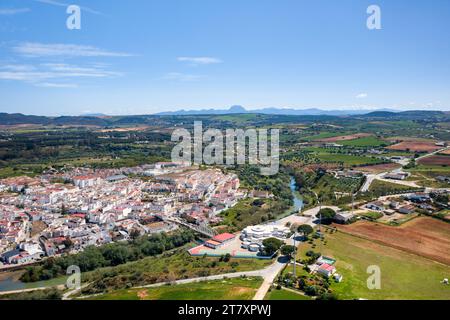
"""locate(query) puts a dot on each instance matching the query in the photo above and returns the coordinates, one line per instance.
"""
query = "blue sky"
(147, 56)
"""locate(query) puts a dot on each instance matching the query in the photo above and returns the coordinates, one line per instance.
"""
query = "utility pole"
(353, 201)
(320, 223)
(295, 255)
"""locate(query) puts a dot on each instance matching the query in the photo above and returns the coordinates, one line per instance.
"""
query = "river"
(298, 202)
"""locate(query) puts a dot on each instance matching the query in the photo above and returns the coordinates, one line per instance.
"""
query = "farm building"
(408, 209)
(326, 270)
(376, 206)
(343, 217)
(219, 240)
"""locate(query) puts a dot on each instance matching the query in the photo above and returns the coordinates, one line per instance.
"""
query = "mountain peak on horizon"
(238, 109)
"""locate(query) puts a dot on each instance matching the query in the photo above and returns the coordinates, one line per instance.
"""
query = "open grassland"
(426, 237)
(229, 289)
(403, 275)
(285, 295)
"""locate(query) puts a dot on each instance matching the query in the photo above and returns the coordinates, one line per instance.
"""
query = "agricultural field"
(436, 160)
(322, 136)
(369, 141)
(445, 152)
(381, 187)
(228, 289)
(422, 236)
(378, 168)
(415, 146)
(345, 138)
(403, 275)
(347, 160)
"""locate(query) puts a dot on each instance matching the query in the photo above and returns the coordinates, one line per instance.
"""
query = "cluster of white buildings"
(252, 237)
(82, 207)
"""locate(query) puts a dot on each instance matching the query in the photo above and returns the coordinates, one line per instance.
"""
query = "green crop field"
(347, 160)
(229, 289)
(403, 275)
(364, 142)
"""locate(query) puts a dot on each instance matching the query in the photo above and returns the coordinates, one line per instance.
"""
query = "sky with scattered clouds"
(140, 56)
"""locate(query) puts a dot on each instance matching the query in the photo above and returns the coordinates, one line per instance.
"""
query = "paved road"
(269, 276)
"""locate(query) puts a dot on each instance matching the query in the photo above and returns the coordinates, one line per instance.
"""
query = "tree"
(305, 229)
(326, 215)
(287, 250)
(271, 245)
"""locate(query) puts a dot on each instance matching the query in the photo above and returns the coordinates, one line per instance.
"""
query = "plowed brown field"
(426, 237)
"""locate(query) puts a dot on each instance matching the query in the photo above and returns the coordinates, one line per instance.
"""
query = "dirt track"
(426, 237)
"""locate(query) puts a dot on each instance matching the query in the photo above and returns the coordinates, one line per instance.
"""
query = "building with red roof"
(219, 240)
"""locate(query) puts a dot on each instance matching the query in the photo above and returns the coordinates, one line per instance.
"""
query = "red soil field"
(379, 168)
(414, 146)
(436, 161)
(447, 152)
(425, 237)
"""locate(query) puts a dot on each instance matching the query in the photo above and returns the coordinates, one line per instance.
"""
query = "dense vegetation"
(108, 255)
(167, 267)
(46, 294)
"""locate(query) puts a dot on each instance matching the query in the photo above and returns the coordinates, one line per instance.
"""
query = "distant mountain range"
(278, 114)
(274, 111)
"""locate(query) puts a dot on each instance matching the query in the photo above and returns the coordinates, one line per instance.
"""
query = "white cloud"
(56, 85)
(34, 49)
(61, 4)
(181, 77)
(362, 96)
(199, 60)
(53, 75)
(13, 11)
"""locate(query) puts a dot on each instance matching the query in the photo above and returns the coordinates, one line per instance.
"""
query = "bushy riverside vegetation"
(108, 255)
